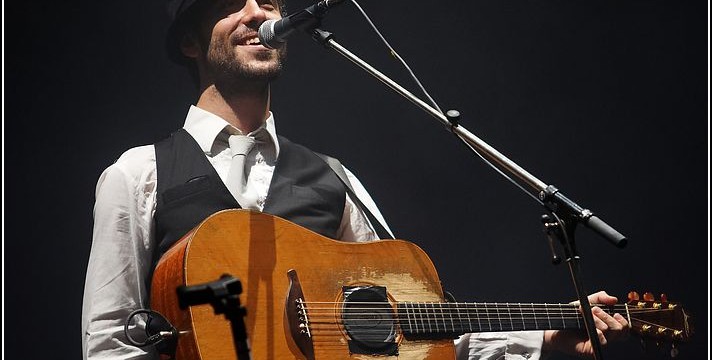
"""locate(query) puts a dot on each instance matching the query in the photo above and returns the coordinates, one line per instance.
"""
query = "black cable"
(151, 339)
(398, 57)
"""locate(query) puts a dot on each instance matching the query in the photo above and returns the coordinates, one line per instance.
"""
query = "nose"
(254, 14)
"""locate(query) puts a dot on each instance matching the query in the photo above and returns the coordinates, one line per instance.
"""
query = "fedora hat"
(179, 12)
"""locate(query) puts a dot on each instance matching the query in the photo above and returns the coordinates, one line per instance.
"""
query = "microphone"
(274, 33)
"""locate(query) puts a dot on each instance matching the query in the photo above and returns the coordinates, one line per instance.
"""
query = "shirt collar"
(205, 127)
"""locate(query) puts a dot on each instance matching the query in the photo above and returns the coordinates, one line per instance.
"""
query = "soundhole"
(369, 320)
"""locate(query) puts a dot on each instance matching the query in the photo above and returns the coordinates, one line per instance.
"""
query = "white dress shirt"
(123, 242)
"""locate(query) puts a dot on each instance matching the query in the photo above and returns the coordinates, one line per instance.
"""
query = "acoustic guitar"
(310, 297)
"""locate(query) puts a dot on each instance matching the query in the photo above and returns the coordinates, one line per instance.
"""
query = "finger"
(602, 297)
(601, 337)
(600, 318)
(624, 332)
(612, 322)
(614, 327)
(621, 320)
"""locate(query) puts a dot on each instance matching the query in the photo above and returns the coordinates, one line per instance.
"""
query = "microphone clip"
(274, 33)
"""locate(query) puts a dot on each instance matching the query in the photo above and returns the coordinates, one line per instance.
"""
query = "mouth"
(251, 40)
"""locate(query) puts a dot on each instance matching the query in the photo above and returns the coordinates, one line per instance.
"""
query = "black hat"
(179, 12)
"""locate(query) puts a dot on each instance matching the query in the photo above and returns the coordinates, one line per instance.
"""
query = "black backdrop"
(607, 100)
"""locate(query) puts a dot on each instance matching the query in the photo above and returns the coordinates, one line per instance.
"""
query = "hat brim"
(180, 12)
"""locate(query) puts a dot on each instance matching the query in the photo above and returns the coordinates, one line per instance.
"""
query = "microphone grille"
(266, 34)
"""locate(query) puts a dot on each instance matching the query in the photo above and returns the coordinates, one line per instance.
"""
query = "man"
(153, 195)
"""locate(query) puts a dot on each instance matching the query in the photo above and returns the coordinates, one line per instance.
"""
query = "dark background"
(605, 99)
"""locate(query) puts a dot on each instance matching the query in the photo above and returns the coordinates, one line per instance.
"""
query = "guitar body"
(260, 250)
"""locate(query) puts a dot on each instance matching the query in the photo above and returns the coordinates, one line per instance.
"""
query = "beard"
(233, 69)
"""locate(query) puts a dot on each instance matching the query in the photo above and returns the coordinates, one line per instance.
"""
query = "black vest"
(303, 190)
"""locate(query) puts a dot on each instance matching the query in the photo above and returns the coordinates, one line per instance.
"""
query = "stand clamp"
(222, 294)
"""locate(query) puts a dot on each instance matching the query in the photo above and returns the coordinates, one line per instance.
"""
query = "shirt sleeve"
(120, 259)
(520, 345)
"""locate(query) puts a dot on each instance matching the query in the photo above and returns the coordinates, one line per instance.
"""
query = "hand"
(575, 342)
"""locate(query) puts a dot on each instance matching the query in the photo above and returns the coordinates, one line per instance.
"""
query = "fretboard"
(430, 320)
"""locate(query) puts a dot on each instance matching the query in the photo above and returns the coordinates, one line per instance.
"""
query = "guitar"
(310, 297)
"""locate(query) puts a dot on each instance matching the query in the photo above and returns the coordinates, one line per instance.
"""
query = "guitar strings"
(525, 308)
(429, 317)
(487, 304)
(455, 311)
(436, 317)
(325, 332)
(334, 330)
(439, 315)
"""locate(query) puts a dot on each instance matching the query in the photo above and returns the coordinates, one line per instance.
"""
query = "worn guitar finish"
(310, 297)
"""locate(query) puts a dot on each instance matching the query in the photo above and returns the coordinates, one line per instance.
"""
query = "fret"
(414, 315)
(420, 313)
(459, 316)
(487, 316)
(430, 325)
(577, 318)
(435, 317)
(407, 314)
(469, 319)
(401, 315)
(521, 312)
(439, 318)
(427, 318)
(509, 312)
(452, 320)
(438, 315)
(534, 311)
(423, 315)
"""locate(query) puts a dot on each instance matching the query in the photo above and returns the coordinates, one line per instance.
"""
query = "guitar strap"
(338, 169)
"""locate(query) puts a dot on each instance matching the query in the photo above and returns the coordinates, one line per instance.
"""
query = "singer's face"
(233, 51)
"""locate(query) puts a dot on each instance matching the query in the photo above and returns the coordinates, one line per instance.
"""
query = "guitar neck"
(438, 320)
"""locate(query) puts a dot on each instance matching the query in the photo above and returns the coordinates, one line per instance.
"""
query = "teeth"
(252, 41)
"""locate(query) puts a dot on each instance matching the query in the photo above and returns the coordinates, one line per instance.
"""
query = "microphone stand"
(222, 294)
(567, 213)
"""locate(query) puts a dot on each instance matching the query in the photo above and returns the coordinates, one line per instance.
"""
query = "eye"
(267, 5)
(230, 6)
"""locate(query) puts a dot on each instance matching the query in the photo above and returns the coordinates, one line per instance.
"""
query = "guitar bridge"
(298, 317)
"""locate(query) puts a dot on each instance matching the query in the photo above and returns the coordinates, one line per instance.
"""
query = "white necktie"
(241, 145)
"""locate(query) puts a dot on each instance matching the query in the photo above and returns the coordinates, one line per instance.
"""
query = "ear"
(189, 45)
